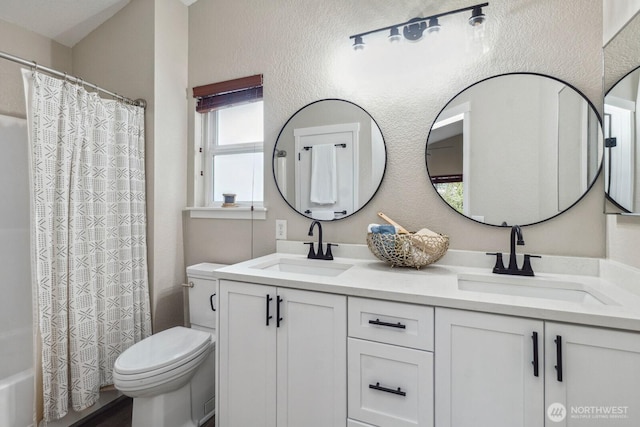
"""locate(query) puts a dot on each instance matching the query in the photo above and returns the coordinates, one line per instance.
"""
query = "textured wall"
(621, 55)
(141, 53)
(302, 48)
(27, 45)
(170, 160)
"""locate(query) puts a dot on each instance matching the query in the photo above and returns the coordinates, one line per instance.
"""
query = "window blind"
(231, 92)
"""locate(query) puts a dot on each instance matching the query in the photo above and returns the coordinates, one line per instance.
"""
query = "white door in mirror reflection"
(619, 178)
(326, 185)
(573, 145)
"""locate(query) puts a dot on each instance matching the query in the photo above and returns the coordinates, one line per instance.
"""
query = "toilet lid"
(162, 349)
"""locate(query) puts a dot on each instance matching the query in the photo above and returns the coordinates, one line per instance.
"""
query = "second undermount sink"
(305, 266)
(533, 287)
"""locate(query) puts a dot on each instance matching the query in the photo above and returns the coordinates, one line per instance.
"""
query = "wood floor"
(118, 415)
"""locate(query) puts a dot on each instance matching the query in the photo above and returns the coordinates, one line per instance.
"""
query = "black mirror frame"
(608, 198)
(275, 152)
(591, 184)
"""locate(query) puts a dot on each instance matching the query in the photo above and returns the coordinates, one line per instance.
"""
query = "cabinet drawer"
(397, 323)
(388, 385)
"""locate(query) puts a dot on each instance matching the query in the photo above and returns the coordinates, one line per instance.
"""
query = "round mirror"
(329, 159)
(621, 181)
(515, 149)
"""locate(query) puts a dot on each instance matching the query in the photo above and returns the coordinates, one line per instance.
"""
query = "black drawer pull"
(535, 364)
(377, 386)
(558, 366)
(213, 308)
(391, 325)
(269, 299)
(278, 318)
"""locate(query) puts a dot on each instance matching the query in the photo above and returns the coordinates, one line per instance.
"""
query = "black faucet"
(515, 231)
(320, 253)
(516, 239)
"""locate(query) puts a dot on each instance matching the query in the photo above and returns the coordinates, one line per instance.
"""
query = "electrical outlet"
(281, 229)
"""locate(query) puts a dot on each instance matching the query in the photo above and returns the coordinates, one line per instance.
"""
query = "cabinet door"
(484, 372)
(600, 381)
(202, 303)
(311, 357)
(247, 355)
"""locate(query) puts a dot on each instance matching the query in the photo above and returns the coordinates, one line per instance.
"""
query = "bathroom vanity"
(355, 342)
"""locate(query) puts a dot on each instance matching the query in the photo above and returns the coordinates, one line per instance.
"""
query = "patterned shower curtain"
(88, 220)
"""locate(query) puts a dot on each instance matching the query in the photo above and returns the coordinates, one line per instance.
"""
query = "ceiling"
(65, 21)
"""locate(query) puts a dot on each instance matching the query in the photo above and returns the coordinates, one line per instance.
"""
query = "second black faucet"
(516, 239)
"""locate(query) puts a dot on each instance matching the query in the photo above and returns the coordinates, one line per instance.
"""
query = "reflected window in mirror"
(329, 159)
(520, 148)
(450, 188)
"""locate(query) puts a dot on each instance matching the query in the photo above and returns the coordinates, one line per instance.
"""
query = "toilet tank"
(202, 295)
(202, 315)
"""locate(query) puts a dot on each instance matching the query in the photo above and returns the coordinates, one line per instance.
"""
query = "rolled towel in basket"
(383, 229)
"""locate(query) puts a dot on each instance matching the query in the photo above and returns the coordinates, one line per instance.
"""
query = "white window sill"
(240, 212)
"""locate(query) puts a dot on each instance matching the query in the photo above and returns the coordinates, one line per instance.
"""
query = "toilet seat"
(161, 358)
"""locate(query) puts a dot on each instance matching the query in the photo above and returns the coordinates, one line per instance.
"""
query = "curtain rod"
(138, 102)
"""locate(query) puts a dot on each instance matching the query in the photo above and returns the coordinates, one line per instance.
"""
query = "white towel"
(323, 215)
(324, 182)
(281, 175)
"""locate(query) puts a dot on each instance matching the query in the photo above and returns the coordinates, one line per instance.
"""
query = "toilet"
(171, 375)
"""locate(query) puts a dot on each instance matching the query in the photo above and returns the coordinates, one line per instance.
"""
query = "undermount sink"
(305, 266)
(532, 287)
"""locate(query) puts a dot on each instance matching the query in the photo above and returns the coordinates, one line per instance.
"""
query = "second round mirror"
(515, 149)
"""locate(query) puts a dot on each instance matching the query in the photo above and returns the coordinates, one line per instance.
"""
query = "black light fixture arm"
(418, 20)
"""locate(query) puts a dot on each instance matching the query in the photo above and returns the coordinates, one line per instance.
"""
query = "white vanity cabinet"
(390, 354)
(486, 372)
(282, 357)
(599, 383)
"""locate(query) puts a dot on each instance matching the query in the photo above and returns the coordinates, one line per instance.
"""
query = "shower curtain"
(88, 223)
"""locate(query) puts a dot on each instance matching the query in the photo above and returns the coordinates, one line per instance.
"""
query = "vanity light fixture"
(413, 29)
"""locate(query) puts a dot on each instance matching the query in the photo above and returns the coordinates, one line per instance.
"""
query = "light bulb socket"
(477, 17)
(358, 43)
(434, 26)
(394, 35)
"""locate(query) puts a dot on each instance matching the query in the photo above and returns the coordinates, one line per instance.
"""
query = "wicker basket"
(407, 250)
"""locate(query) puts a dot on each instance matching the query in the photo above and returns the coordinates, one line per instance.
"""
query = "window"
(231, 142)
(233, 148)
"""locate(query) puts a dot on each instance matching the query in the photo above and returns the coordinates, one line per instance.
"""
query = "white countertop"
(437, 284)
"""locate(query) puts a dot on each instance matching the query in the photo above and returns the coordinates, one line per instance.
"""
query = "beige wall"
(170, 160)
(303, 50)
(141, 53)
(615, 15)
(27, 45)
(621, 55)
